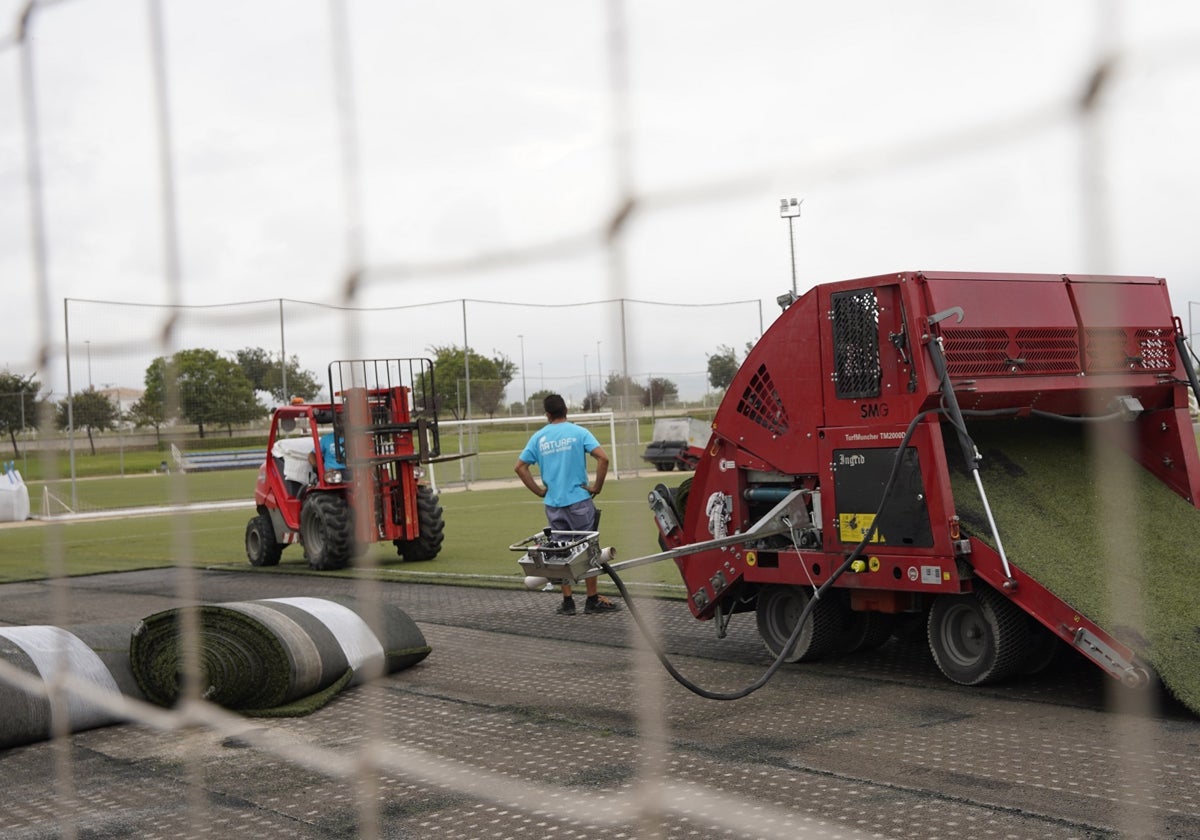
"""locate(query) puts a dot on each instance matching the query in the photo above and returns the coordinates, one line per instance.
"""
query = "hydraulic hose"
(817, 593)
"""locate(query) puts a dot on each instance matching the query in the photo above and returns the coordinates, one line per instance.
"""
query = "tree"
(208, 389)
(266, 374)
(90, 410)
(489, 378)
(619, 386)
(722, 367)
(537, 401)
(148, 412)
(595, 400)
(18, 405)
(659, 391)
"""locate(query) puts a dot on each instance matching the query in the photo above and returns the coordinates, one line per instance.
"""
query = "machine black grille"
(760, 402)
(855, 316)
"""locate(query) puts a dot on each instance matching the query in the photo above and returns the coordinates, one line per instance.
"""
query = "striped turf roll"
(97, 655)
(275, 657)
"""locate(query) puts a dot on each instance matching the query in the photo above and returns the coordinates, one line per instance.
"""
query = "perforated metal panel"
(1114, 349)
(761, 403)
(997, 351)
(855, 317)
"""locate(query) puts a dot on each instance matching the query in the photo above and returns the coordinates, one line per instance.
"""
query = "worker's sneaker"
(599, 604)
(567, 607)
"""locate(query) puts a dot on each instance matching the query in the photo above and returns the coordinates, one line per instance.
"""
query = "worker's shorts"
(581, 516)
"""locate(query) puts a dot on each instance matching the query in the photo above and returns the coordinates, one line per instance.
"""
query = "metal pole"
(466, 359)
(70, 402)
(792, 240)
(789, 208)
(88, 346)
(599, 371)
(524, 393)
(283, 359)
(585, 377)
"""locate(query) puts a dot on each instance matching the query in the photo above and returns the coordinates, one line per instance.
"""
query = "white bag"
(14, 496)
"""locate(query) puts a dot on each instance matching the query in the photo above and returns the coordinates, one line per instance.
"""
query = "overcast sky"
(921, 135)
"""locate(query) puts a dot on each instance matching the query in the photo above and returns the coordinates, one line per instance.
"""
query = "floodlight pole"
(789, 208)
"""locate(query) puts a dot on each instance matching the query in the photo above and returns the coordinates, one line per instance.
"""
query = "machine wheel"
(326, 531)
(864, 630)
(780, 606)
(262, 548)
(432, 527)
(1043, 649)
(663, 467)
(977, 637)
(680, 497)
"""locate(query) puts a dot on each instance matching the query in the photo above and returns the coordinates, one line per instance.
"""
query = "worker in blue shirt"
(559, 450)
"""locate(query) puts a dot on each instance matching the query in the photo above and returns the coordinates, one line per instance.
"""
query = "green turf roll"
(275, 657)
(1097, 530)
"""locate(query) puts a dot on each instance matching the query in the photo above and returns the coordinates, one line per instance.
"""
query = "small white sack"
(14, 496)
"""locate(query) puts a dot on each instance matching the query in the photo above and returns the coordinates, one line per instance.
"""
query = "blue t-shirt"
(329, 453)
(560, 450)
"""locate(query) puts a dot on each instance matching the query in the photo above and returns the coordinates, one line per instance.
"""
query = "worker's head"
(556, 407)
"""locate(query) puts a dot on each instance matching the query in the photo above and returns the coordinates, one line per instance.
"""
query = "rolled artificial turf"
(1096, 529)
(97, 654)
(270, 658)
(275, 657)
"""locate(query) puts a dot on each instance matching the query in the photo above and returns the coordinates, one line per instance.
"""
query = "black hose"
(820, 590)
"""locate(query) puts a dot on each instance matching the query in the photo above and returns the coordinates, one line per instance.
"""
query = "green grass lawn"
(480, 526)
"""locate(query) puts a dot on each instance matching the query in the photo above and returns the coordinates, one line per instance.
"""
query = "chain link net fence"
(568, 347)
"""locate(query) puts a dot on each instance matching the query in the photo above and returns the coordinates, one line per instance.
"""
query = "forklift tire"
(432, 529)
(262, 549)
(778, 608)
(977, 637)
(326, 531)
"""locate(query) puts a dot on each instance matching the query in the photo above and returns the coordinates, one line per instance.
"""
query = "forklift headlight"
(334, 477)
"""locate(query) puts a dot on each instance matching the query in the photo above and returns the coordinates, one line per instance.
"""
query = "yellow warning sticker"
(853, 526)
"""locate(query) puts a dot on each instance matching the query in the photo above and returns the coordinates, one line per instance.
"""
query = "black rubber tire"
(661, 467)
(432, 529)
(326, 531)
(912, 629)
(1043, 650)
(864, 630)
(977, 637)
(262, 549)
(679, 497)
(777, 609)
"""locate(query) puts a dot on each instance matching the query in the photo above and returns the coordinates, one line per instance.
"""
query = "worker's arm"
(601, 470)
(522, 470)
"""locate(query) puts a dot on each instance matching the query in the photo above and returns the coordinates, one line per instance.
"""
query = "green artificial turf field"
(480, 526)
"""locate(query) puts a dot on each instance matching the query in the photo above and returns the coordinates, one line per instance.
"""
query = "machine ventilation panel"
(761, 403)
(997, 351)
(855, 317)
(1117, 349)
